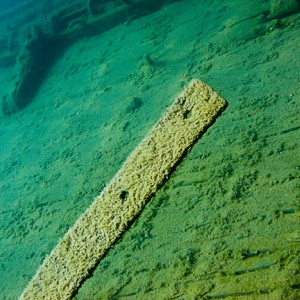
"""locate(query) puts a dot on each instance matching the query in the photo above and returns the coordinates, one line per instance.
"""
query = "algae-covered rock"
(281, 8)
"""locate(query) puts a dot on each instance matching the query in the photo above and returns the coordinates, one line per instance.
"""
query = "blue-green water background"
(227, 221)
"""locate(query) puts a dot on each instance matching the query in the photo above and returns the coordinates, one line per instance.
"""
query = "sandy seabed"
(226, 224)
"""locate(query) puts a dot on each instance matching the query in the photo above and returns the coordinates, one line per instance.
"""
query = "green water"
(226, 223)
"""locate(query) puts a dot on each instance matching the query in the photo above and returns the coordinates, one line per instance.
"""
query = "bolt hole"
(187, 114)
(124, 195)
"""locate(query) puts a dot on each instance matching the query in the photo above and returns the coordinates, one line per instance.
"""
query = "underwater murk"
(84, 84)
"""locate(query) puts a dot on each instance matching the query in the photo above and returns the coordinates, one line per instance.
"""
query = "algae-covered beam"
(146, 169)
(35, 58)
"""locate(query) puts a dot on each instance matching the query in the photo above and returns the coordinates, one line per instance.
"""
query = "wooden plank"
(146, 169)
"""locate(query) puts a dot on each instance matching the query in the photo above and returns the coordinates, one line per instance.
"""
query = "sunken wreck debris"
(44, 38)
(96, 231)
(32, 63)
(282, 8)
(70, 21)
